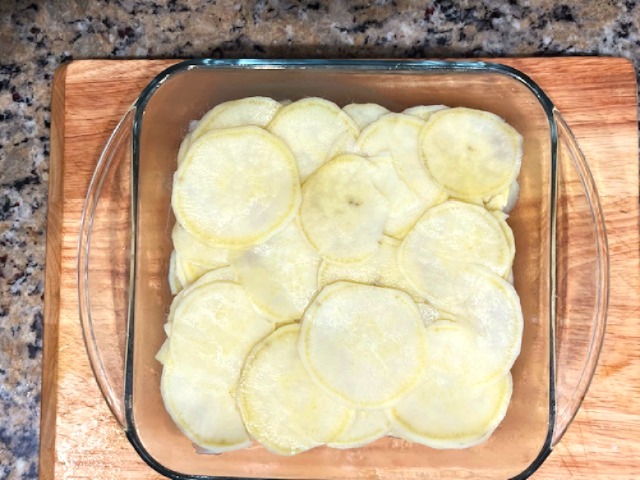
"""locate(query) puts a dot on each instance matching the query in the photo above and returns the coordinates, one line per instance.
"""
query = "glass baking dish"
(560, 270)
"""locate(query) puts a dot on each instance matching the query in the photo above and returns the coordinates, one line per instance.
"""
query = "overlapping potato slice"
(247, 176)
(281, 406)
(364, 345)
(364, 113)
(163, 354)
(194, 250)
(397, 134)
(405, 206)
(280, 275)
(424, 111)
(310, 127)
(256, 111)
(506, 199)
(454, 232)
(214, 327)
(175, 285)
(471, 153)
(380, 270)
(369, 426)
(452, 414)
(342, 213)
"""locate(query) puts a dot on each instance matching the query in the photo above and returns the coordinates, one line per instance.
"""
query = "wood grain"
(80, 438)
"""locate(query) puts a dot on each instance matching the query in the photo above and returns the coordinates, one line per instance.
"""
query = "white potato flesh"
(364, 113)
(345, 143)
(405, 206)
(363, 345)
(424, 111)
(310, 127)
(280, 275)
(163, 354)
(342, 213)
(397, 135)
(471, 153)
(505, 200)
(380, 270)
(193, 250)
(245, 175)
(369, 426)
(256, 111)
(281, 406)
(451, 414)
(175, 285)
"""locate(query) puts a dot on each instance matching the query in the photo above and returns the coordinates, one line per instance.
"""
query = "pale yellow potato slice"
(310, 127)
(405, 206)
(471, 153)
(281, 406)
(505, 200)
(397, 135)
(345, 143)
(342, 213)
(453, 232)
(364, 345)
(214, 327)
(163, 354)
(364, 113)
(369, 426)
(175, 285)
(424, 111)
(451, 414)
(256, 111)
(247, 176)
(380, 270)
(280, 275)
(193, 250)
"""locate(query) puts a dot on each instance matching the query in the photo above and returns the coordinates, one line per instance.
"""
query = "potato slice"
(256, 111)
(345, 143)
(453, 232)
(184, 148)
(342, 213)
(175, 285)
(163, 354)
(213, 329)
(424, 111)
(280, 275)
(369, 426)
(364, 113)
(471, 153)
(194, 250)
(247, 176)
(310, 127)
(397, 135)
(451, 414)
(380, 270)
(281, 406)
(363, 345)
(506, 199)
(405, 206)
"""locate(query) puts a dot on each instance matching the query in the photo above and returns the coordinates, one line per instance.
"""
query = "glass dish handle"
(582, 278)
(104, 255)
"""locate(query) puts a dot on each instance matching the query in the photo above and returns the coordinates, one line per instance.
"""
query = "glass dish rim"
(390, 66)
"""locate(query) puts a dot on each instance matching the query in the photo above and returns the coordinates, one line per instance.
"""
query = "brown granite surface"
(37, 36)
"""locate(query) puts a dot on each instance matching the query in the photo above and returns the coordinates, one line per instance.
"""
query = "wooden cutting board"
(80, 438)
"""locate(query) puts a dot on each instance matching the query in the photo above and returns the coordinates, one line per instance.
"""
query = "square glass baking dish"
(125, 244)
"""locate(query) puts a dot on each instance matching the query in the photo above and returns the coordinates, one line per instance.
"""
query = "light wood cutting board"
(80, 438)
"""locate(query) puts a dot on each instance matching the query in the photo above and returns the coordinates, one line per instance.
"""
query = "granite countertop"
(37, 36)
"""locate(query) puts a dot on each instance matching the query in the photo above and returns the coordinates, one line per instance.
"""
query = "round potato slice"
(364, 113)
(163, 354)
(256, 111)
(345, 143)
(451, 414)
(506, 199)
(310, 127)
(247, 176)
(193, 250)
(424, 111)
(175, 285)
(363, 345)
(280, 275)
(369, 426)
(213, 329)
(281, 406)
(380, 270)
(396, 134)
(342, 213)
(471, 153)
(453, 232)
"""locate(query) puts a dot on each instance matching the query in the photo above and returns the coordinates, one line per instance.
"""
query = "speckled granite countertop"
(37, 36)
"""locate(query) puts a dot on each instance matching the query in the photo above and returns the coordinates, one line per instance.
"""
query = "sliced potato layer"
(193, 250)
(282, 407)
(175, 285)
(424, 111)
(245, 175)
(506, 199)
(364, 345)
(280, 275)
(369, 426)
(342, 213)
(471, 153)
(364, 113)
(310, 127)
